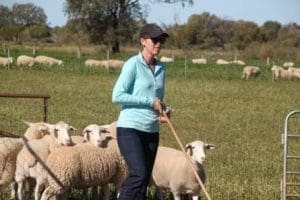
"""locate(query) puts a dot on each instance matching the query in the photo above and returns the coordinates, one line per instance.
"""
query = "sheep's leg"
(21, 194)
(47, 194)
(38, 190)
(13, 190)
(176, 195)
(105, 190)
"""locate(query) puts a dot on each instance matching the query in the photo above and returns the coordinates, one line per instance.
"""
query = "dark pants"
(139, 150)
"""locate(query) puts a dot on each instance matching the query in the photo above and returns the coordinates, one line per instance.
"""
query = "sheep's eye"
(55, 130)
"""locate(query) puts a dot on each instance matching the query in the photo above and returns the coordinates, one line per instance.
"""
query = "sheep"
(199, 61)
(6, 61)
(171, 169)
(222, 62)
(250, 71)
(104, 63)
(33, 155)
(46, 60)
(239, 62)
(288, 64)
(166, 59)
(9, 148)
(25, 60)
(279, 72)
(84, 165)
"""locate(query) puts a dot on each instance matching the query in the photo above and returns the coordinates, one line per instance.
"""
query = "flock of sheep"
(29, 61)
(248, 71)
(57, 161)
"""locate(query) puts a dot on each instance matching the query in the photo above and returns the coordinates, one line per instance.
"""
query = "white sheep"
(6, 61)
(222, 62)
(84, 165)
(31, 159)
(250, 71)
(46, 60)
(25, 61)
(279, 72)
(171, 169)
(288, 64)
(239, 62)
(166, 59)
(9, 148)
(104, 63)
(199, 60)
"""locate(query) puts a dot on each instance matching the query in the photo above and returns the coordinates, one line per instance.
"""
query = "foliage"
(107, 22)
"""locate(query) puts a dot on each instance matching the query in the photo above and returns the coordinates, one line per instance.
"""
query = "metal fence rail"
(287, 172)
(45, 98)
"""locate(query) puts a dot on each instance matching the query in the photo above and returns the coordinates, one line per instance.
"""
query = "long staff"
(185, 154)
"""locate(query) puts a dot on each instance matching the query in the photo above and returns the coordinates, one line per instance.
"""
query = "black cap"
(152, 31)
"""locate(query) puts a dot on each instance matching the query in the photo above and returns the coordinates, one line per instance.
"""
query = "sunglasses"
(161, 40)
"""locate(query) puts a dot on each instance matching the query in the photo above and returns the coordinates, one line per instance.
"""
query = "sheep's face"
(95, 134)
(62, 133)
(197, 150)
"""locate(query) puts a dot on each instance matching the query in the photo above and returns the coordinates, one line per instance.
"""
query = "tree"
(269, 31)
(245, 33)
(6, 16)
(28, 14)
(106, 21)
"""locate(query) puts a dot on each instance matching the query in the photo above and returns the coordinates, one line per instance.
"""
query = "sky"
(258, 11)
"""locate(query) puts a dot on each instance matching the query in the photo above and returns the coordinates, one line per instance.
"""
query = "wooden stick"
(188, 158)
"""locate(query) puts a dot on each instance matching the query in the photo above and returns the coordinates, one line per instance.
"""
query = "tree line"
(110, 23)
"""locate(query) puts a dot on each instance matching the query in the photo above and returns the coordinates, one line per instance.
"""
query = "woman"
(140, 91)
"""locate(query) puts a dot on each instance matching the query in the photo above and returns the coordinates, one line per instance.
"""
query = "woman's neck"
(149, 58)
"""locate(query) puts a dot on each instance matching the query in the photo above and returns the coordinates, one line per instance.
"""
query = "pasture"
(244, 119)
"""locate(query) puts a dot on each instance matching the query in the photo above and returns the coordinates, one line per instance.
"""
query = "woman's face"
(152, 45)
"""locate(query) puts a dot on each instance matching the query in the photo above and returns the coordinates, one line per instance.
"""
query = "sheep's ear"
(27, 123)
(210, 146)
(72, 128)
(188, 149)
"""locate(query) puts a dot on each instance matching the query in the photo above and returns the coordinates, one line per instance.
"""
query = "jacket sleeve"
(123, 88)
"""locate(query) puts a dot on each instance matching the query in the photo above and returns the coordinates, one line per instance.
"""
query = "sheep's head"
(197, 150)
(97, 135)
(62, 132)
(36, 130)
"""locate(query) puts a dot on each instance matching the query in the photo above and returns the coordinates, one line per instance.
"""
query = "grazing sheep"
(85, 165)
(166, 59)
(25, 61)
(279, 72)
(46, 60)
(250, 71)
(239, 62)
(104, 63)
(6, 61)
(9, 148)
(33, 155)
(222, 62)
(171, 169)
(199, 61)
(288, 64)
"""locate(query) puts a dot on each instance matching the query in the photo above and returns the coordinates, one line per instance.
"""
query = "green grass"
(244, 119)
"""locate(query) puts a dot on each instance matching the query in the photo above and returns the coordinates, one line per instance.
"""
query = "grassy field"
(244, 119)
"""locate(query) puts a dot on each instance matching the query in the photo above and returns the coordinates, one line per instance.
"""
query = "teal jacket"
(135, 90)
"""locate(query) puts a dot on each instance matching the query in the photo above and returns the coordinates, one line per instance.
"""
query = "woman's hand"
(161, 118)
